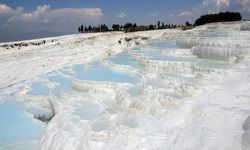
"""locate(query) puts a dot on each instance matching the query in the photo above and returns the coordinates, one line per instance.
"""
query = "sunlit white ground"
(164, 89)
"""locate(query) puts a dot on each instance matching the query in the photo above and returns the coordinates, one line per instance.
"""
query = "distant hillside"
(29, 36)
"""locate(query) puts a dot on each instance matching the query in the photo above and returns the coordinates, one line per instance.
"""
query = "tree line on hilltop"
(131, 27)
(219, 17)
(128, 27)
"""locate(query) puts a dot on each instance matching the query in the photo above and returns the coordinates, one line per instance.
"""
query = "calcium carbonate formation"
(147, 97)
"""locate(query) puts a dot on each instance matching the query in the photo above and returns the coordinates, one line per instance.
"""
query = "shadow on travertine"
(245, 140)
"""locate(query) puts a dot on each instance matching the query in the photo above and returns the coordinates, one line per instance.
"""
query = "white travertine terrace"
(190, 89)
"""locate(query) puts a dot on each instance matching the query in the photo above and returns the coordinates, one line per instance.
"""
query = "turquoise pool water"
(16, 126)
(98, 72)
(39, 88)
(124, 59)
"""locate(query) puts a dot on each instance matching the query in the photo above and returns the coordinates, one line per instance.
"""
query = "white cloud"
(4, 9)
(204, 7)
(7, 11)
(245, 4)
(185, 14)
(182, 17)
(216, 3)
(122, 15)
(222, 2)
(43, 14)
(63, 20)
(212, 6)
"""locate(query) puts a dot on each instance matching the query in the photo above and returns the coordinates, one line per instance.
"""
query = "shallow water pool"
(39, 88)
(98, 72)
(124, 59)
(16, 126)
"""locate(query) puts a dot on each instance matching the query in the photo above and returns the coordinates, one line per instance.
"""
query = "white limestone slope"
(25, 59)
(189, 98)
(168, 112)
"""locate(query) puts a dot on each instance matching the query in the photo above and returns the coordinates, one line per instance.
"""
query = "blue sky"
(30, 18)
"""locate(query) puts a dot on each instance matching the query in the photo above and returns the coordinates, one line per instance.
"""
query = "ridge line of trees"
(132, 27)
(100, 28)
(219, 17)
(128, 27)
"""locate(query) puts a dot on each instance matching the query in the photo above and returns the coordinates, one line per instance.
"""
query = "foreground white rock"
(178, 91)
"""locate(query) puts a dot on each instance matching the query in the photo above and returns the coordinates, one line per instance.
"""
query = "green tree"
(116, 27)
(79, 29)
(188, 24)
(127, 26)
(151, 27)
(158, 24)
(162, 25)
(134, 25)
(89, 28)
(220, 17)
